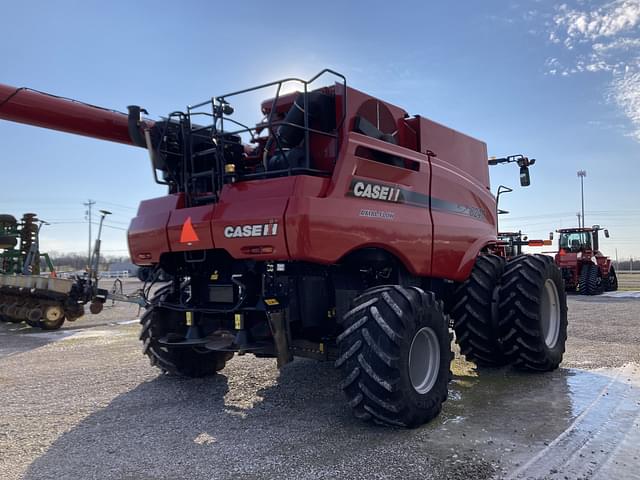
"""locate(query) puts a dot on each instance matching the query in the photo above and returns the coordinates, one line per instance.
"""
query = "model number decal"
(255, 230)
(376, 191)
(367, 212)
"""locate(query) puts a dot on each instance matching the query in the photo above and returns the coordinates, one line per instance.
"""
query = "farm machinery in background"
(339, 227)
(20, 245)
(584, 268)
(511, 243)
(43, 301)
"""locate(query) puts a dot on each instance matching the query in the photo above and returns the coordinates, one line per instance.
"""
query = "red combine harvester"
(584, 267)
(335, 229)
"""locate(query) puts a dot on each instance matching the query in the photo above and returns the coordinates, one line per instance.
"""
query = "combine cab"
(584, 268)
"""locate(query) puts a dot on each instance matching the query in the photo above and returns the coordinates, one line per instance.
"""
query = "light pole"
(89, 204)
(582, 174)
(579, 224)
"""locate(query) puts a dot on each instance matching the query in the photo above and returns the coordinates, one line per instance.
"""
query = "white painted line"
(632, 294)
(128, 322)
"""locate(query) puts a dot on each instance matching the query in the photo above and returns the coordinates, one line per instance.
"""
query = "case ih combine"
(336, 232)
(584, 267)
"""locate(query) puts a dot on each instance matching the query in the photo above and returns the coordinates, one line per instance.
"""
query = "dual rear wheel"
(512, 312)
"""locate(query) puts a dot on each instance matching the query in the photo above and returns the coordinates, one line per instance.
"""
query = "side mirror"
(550, 235)
(606, 233)
(525, 179)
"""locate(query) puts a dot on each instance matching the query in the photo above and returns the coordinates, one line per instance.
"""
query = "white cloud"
(612, 19)
(603, 39)
(626, 93)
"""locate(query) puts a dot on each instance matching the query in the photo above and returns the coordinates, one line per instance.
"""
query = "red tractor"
(584, 267)
(338, 228)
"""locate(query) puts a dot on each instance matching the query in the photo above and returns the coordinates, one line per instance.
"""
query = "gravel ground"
(83, 403)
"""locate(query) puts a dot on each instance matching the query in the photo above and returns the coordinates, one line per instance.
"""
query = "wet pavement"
(83, 403)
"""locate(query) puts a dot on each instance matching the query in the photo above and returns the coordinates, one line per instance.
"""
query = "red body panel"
(147, 233)
(256, 203)
(326, 229)
(200, 218)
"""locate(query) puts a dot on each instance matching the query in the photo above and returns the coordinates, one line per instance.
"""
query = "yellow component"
(230, 168)
(271, 301)
(214, 276)
(322, 348)
(189, 318)
(239, 321)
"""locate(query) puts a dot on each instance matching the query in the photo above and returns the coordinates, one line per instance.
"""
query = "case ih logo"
(375, 191)
(257, 230)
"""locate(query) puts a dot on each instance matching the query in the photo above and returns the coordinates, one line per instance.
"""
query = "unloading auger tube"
(32, 107)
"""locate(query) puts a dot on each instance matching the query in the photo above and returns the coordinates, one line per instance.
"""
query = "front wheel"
(533, 313)
(395, 356)
(160, 322)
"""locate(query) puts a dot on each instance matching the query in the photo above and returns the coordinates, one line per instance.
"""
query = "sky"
(556, 82)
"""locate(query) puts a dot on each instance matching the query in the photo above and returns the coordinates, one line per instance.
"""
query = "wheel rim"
(424, 360)
(52, 314)
(550, 312)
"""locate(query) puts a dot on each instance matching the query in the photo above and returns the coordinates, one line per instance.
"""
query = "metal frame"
(214, 132)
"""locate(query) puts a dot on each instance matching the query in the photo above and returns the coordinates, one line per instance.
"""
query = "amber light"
(259, 250)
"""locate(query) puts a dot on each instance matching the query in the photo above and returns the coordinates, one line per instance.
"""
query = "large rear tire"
(395, 356)
(474, 313)
(533, 313)
(184, 361)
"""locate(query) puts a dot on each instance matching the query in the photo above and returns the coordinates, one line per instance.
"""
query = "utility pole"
(582, 174)
(89, 204)
(617, 264)
(579, 224)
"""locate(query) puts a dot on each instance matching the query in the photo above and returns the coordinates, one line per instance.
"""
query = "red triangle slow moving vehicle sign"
(188, 233)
